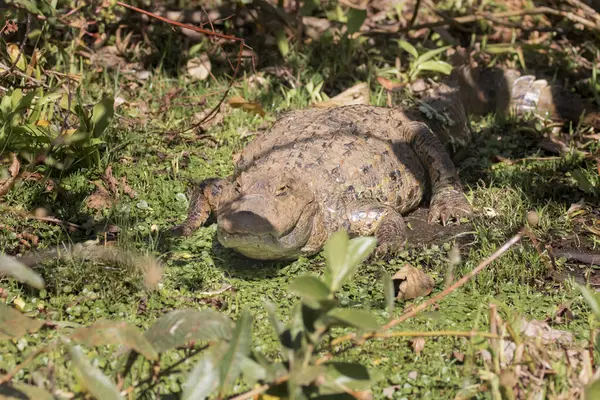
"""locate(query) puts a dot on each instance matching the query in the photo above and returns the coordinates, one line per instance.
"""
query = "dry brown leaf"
(541, 330)
(460, 357)
(390, 85)
(110, 180)
(100, 199)
(13, 171)
(411, 283)
(357, 94)
(390, 390)
(258, 82)
(126, 188)
(240, 102)
(199, 67)
(418, 345)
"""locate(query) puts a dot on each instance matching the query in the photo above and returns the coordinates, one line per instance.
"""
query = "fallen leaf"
(412, 375)
(100, 199)
(315, 27)
(576, 207)
(110, 180)
(389, 85)
(418, 86)
(126, 188)
(411, 282)
(258, 82)
(460, 357)
(418, 345)
(13, 171)
(240, 102)
(541, 330)
(199, 67)
(357, 94)
(390, 390)
(489, 212)
(216, 119)
(563, 314)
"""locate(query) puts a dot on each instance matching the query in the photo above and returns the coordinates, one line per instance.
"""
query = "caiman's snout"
(248, 215)
(246, 222)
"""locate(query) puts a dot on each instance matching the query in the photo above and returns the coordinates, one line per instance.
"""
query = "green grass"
(158, 167)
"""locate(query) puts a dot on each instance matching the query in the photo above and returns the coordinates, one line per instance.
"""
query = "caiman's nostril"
(245, 222)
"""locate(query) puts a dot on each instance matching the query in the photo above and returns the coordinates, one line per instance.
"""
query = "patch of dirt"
(422, 233)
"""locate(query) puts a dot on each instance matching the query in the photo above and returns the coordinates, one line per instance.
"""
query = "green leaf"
(253, 371)
(282, 42)
(430, 54)
(50, 97)
(102, 115)
(111, 332)
(409, 48)
(308, 6)
(343, 256)
(436, 66)
(582, 181)
(95, 382)
(10, 266)
(591, 299)
(341, 376)
(356, 18)
(38, 7)
(275, 322)
(310, 287)
(181, 326)
(203, 379)
(239, 348)
(14, 325)
(361, 319)
(592, 392)
(388, 291)
(20, 391)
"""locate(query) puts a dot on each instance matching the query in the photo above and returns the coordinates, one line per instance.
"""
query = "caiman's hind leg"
(387, 224)
(447, 200)
(203, 201)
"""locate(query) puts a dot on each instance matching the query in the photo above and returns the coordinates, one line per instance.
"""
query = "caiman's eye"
(282, 190)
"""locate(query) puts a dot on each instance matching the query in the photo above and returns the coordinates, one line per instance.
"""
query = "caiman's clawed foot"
(391, 235)
(448, 204)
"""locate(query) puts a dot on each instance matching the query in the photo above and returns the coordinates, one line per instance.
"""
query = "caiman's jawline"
(267, 246)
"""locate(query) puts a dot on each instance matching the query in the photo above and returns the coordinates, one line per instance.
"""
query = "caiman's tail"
(480, 91)
(485, 90)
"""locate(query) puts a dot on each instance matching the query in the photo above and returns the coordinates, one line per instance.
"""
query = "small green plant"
(425, 61)
(27, 127)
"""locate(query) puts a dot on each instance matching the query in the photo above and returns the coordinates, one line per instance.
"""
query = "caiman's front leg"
(203, 200)
(368, 218)
(447, 197)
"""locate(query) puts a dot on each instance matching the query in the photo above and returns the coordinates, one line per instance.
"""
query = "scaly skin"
(316, 171)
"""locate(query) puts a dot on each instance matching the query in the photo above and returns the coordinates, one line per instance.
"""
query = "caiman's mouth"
(267, 246)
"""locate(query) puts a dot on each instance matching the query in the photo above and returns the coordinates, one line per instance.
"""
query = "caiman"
(357, 167)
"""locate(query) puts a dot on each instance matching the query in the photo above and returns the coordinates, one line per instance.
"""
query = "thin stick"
(467, 334)
(413, 19)
(496, 16)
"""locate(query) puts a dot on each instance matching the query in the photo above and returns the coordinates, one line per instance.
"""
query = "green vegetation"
(106, 161)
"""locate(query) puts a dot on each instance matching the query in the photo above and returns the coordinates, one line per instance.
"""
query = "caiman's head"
(267, 217)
